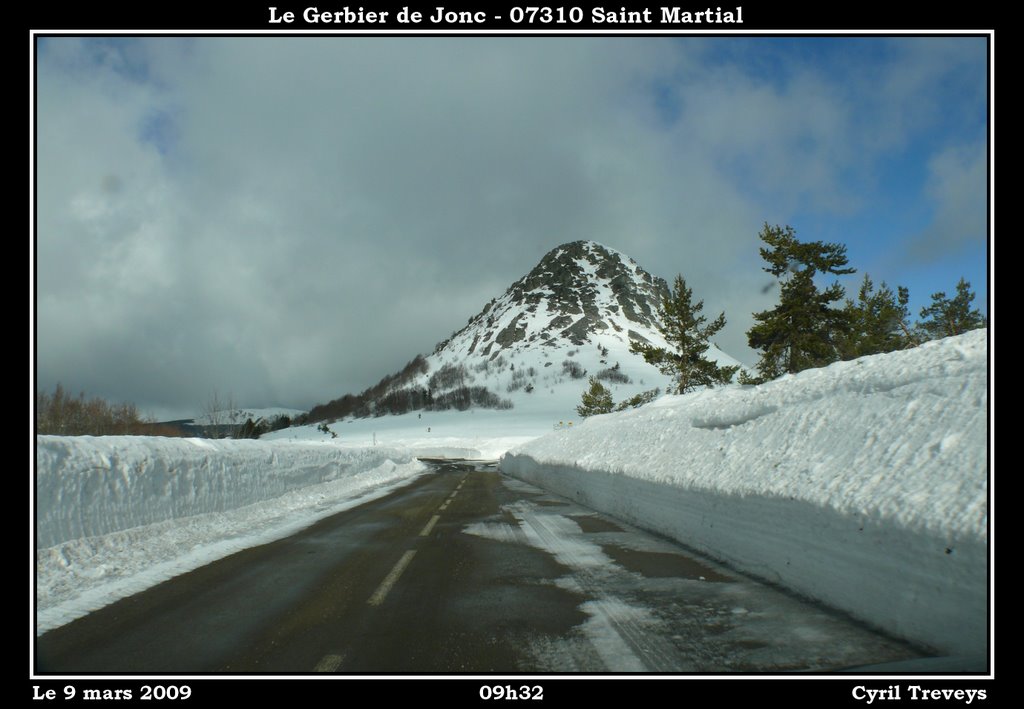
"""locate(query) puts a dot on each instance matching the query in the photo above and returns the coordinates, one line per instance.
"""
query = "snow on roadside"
(863, 484)
(117, 514)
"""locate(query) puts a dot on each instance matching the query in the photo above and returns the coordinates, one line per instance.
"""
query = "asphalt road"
(463, 571)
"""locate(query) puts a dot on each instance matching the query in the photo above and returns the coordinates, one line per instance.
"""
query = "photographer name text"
(915, 692)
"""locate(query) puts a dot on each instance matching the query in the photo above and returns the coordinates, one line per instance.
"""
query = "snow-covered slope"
(863, 484)
(577, 290)
(573, 316)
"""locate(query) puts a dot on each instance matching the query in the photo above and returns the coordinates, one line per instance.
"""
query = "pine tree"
(878, 321)
(598, 400)
(803, 330)
(688, 332)
(946, 317)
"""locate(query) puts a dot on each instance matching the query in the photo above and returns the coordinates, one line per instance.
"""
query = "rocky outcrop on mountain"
(577, 290)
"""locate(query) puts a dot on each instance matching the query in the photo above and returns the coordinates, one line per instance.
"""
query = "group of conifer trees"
(810, 326)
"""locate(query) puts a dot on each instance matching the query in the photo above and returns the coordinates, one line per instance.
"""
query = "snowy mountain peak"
(577, 291)
(574, 315)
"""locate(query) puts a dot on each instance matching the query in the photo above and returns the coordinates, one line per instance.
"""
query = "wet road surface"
(463, 571)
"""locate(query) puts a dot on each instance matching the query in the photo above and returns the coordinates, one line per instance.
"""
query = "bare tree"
(221, 415)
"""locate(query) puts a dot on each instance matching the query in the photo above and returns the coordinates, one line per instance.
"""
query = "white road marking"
(329, 663)
(443, 506)
(430, 525)
(382, 591)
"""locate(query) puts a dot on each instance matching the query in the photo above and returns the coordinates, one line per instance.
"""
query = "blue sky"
(288, 219)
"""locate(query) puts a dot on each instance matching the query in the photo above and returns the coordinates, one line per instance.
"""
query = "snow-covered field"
(864, 484)
(479, 433)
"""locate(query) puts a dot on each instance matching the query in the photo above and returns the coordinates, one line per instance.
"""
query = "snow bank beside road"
(88, 486)
(862, 484)
(116, 514)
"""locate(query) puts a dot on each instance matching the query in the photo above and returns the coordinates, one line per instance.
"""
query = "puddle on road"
(659, 564)
(517, 485)
(595, 525)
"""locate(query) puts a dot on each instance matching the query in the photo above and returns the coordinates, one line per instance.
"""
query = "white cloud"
(958, 187)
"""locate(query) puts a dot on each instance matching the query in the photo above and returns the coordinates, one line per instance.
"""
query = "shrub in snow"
(448, 377)
(573, 369)
(614, 374)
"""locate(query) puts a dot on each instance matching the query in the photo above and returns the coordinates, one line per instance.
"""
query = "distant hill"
(228, 421)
